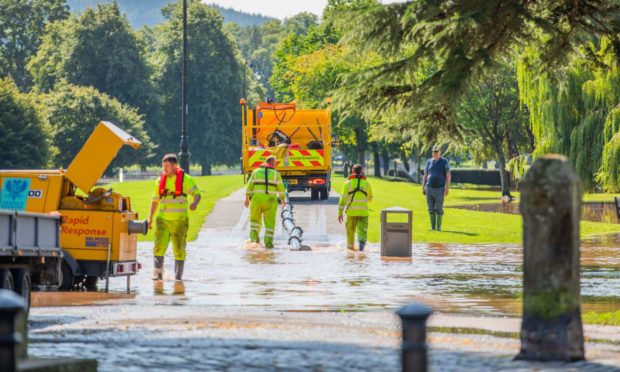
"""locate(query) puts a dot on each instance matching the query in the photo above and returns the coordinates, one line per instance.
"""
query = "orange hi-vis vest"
(178, 185)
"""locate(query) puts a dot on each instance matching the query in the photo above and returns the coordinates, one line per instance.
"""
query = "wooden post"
(551, 207)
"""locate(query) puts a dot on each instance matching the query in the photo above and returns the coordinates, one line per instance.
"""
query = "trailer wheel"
(23, 285)
(90, 283)
(68, 280)
(6, 280)
(314, 194)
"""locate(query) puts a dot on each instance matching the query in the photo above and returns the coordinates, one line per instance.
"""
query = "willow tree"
(574, 111)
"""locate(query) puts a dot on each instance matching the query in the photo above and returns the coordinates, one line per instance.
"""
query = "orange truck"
(301, 139)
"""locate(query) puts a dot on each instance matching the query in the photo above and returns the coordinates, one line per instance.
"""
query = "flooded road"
(236, 299)
(221, 271)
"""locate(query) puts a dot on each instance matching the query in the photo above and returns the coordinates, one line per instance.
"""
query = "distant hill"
(148, 12)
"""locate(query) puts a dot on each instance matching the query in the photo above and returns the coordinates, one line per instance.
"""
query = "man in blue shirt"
(436, 185)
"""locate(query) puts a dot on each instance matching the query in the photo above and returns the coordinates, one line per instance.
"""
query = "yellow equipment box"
(98, 231)
(301, 139)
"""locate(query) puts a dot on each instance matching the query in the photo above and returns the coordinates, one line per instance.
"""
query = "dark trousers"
(434, 199)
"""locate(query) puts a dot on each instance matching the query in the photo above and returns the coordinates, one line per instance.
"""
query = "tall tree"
(214, 90)
(257, 44)
(575, 111)
(460, 38)
(25, 139)
(99, 49)
(22, 23)
(490, 113)
(73, 113)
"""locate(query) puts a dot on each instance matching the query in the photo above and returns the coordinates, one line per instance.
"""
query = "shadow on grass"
(459, 232)
(472, 198)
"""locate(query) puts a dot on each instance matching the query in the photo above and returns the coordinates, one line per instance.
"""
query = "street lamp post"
(184, 146)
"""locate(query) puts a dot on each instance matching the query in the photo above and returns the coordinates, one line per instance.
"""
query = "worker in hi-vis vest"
(354, 198)
(171, 196)
(264, 186)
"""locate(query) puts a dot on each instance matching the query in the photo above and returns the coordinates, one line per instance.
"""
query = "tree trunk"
(360, 146)
(504, 175)
(551, 207)
(377, 159)
(386, 163)
(512, 145)
(405, 160)
(418, 169)
(206, 168)
(531, 138)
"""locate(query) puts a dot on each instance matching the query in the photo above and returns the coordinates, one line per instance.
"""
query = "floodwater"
(223, 271)
(595, 212)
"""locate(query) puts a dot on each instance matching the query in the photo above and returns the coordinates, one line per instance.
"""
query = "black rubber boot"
(433, 220)
(439, 217)
(158, 268)
(362, 246)
(178, 269)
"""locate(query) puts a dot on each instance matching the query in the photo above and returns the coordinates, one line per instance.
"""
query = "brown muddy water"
(222, 272)
(595, 212)
(480, 280)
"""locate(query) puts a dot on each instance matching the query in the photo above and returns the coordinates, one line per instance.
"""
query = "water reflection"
(595, 212)
(260, 256)
(475, 279)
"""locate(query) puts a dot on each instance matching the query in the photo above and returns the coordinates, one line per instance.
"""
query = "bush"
(73, 113)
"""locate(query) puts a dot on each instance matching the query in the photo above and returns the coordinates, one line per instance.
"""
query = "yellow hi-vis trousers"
(263, 207)
(353, 223)
(174, 230)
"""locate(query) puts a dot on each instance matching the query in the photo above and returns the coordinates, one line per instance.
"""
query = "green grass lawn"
(612, 318)
(213, 188)
(459, 225)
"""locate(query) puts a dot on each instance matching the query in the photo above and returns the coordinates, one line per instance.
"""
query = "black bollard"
(414, 349)
(12, 316)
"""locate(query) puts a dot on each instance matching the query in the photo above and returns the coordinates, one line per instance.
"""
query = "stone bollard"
(12, 328)
(551, 328)
(414, 350)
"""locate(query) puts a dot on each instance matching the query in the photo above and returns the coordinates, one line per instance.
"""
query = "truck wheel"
(324, 192)
(67, 280)
(314, 194)
(90, 283)
(23, 285)
(6, 279)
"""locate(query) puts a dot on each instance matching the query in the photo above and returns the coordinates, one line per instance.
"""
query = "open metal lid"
(97, 153)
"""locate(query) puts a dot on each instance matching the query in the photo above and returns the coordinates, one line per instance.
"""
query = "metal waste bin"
(396, 236)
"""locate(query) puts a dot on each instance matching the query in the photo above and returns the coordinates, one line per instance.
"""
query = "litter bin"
(396, 236)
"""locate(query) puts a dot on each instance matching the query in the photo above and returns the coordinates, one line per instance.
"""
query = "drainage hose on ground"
(294, 232)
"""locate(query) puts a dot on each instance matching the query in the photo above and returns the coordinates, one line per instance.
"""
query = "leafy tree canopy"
(22, 23)
(25, 139)
(73, 113)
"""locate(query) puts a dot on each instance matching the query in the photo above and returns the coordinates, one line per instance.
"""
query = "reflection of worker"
(436, 185)
(172, 222)
(354, 198)
(264, 185)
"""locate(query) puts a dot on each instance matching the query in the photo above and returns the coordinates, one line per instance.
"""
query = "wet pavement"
(327, 309)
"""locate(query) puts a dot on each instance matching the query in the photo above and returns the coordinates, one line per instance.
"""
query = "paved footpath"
(173, 337)
(254, 311)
